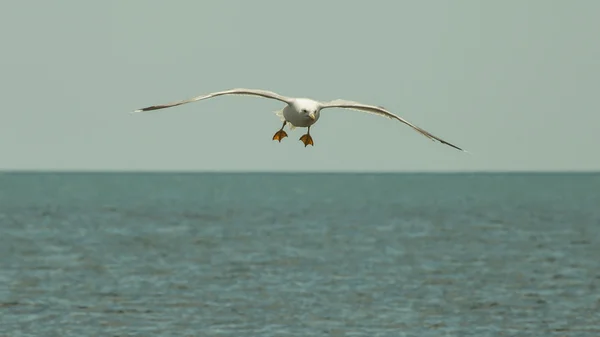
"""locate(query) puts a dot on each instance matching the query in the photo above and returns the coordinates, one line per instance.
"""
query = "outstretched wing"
(238, 91)
(340, 103)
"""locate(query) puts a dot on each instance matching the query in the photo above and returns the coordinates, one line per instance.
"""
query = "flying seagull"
(302, 112)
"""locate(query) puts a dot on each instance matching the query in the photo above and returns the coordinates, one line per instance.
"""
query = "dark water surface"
(299, 255)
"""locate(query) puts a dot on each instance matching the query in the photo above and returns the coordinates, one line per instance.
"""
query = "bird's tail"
(279, 114)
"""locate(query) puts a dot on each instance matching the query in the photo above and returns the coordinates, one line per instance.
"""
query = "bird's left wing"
(238, 91)
(340, 103)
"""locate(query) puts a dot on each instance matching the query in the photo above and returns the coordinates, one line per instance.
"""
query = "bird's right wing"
(238, 91)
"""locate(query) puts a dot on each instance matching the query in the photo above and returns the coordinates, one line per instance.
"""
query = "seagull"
(301, 112)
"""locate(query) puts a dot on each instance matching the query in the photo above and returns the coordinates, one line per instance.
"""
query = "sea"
(299, 254)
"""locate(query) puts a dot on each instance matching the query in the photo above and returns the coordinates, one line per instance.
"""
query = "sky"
(513, 82)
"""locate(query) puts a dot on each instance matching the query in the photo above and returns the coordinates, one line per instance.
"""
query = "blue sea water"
(132, 254)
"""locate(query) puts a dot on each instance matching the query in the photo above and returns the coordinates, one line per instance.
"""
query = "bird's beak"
(312, 116)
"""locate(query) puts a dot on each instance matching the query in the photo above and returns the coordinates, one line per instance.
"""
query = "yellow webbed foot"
(307, 140)
(279, 135)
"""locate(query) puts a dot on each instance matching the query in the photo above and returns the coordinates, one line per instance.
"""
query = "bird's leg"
(279, 135)
(307, 139)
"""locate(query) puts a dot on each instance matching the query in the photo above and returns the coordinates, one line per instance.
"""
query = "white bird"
(302, 112)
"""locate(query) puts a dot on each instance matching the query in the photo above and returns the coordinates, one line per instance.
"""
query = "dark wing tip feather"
(451, 145)
(155, 107)
(439, 139)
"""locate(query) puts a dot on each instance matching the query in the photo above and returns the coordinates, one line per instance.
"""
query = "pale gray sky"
(514, 82)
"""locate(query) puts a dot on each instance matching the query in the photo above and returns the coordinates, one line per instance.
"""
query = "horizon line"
(159, 171)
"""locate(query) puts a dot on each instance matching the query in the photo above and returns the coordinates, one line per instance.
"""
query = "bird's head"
(307, 108)
(310, 113)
